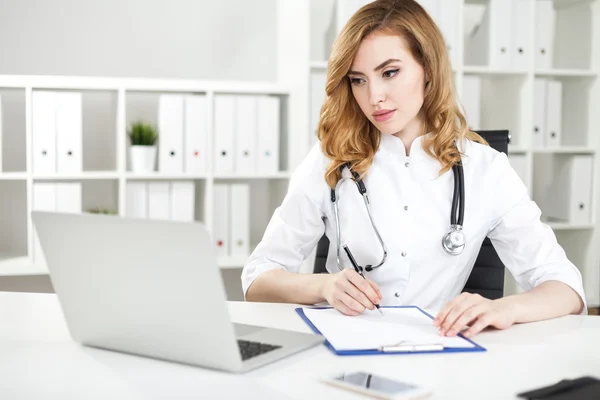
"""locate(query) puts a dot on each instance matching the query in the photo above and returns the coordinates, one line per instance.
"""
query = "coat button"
(405, 208)
(397, 294)
(407, 164)
(403, 254)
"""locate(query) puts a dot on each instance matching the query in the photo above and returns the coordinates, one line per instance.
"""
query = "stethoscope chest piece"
(454, 241)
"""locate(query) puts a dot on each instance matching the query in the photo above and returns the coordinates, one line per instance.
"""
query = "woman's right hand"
(350, 293)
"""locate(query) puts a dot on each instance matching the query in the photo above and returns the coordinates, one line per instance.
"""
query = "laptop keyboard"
(250, 349)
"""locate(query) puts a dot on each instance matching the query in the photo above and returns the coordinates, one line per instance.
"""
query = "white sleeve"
(296, 225)
(526, 246)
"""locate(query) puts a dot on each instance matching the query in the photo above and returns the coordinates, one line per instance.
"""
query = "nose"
(376, 93)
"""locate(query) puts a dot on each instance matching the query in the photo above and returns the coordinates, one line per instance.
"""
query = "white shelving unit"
(106, 187)
(507, 96)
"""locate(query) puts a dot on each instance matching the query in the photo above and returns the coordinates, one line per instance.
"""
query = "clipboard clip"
(405, 346)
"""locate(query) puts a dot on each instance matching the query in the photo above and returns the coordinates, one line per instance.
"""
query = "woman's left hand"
(475, 311)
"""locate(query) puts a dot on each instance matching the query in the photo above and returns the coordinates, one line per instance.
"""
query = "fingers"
(441, 316)
(464, 302)
(483, 322)
(357, 295)
(376, 288)
(363, 285)
(348, 305)
(467, 317)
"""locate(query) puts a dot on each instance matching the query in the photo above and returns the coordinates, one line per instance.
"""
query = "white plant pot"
(143, 158)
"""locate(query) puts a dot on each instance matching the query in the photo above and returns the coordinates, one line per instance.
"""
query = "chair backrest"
(487, 276)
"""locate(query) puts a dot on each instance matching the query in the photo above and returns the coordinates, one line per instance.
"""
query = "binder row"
(172, 201)
(502, 38)
(56, 130)
(231, 219)
(547, 115)
(569, 197)
(246, 134)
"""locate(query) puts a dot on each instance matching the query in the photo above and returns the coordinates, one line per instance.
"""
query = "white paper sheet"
(371, 330)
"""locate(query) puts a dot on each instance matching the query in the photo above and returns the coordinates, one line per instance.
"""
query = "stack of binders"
(501, 40)
(547, 113)
(246, 132)
(57, 148)
(173, 201)
(232, 220)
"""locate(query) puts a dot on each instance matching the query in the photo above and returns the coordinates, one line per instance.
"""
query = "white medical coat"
(410, 204)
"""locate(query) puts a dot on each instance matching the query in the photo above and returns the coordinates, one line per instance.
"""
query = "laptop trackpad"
(244, 330)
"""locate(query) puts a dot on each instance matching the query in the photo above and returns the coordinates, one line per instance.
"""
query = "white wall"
(196, 39)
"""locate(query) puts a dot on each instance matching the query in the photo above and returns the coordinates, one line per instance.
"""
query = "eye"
(390, 73)
(356, 81)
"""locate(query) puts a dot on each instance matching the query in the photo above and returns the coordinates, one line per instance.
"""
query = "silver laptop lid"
(140, 286)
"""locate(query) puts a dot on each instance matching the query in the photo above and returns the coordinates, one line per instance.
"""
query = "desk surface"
(39, 360)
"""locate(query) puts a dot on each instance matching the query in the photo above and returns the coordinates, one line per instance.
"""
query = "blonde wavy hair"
(346, 135)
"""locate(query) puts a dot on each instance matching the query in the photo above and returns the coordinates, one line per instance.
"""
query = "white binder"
(170, 130)
(44, 132)
(570, 197)
(240, 220)
(224, 133)
(490, 43)
(471, 100)
(137, 200)
(159, 200)
(196, 134)
(539, 113)
(553, 113)
(182, 201)
(68, 197)
(318, 80)
(245, 134)
(268, 134)
(521, 48)
(68, 132)
(545, 19)
(44, 199)
(221, 228)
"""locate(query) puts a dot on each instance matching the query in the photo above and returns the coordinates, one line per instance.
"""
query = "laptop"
(152, 288)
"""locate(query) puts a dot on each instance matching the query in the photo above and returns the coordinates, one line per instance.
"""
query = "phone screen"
(375, 383)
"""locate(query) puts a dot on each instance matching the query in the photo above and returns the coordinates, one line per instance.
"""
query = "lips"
(383, 115)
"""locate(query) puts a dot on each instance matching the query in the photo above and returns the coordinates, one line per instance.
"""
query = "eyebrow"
(377, 68)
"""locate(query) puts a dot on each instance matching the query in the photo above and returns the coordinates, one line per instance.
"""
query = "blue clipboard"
(366, 352)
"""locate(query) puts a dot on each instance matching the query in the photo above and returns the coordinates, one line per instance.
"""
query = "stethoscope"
(453, 242)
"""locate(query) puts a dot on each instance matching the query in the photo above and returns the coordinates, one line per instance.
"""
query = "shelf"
(232, 262)
(517, 150)
(563, 226)
(163, 176)
(565, 150)
(318, 64)
(98, 175)
(13, 176)
(485, 70)
(139, 84)
(570, 73)
(19, 265)
(274, 175)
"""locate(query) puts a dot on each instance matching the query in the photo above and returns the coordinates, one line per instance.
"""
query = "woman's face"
(388, 83)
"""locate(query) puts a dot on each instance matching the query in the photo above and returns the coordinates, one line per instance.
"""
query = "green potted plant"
(143, 137)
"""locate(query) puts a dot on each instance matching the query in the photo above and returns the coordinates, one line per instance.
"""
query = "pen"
(358, 270)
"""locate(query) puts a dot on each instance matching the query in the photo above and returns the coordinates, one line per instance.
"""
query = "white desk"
(39, 360)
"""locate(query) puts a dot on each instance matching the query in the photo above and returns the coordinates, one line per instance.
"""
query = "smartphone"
(378, 386)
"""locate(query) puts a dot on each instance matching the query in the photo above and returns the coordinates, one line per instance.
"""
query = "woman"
(390, 115)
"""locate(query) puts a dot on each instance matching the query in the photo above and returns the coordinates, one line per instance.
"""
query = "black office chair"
(487, 276)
